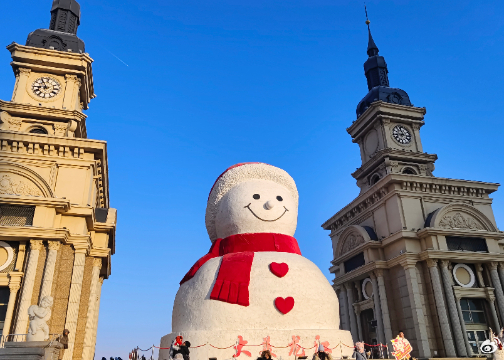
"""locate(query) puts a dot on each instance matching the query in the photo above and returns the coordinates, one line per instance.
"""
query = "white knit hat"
(237, 174)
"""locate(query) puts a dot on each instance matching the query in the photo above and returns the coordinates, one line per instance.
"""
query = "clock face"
(46, 87)
(401, 134)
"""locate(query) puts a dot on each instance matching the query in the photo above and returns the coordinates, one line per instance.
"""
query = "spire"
(372, 49)
(62, 32)
(376, 71)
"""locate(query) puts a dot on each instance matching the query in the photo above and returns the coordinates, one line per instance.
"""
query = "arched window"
(409, 171)
(374, 179)
(38, 130)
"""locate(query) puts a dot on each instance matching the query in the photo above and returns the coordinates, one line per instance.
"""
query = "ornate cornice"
(31, 111)
(100, 252)
(25, 232)
(455, 190)
(392, 154)
(458, 256)
(57, 203)
(462, 292)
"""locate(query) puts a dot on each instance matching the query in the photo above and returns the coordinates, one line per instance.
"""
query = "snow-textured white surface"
(265, 203)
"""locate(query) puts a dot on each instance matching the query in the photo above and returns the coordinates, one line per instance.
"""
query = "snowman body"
(290, 312)
(315, 302)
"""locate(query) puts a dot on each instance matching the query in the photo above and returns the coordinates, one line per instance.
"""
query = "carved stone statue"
(39, 315)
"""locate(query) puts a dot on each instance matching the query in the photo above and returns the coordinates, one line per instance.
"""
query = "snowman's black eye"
(279, 198)
(256, 196)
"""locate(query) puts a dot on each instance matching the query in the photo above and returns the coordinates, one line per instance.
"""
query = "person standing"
(63, 339)
(402, 347)
(265, 355)
(359, 353)
(321, 354)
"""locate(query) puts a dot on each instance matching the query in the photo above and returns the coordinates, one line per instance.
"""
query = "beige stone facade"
(415, 252)
(56, 226)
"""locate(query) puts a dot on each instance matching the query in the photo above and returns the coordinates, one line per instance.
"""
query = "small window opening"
(38, 130)
(374, 179)
(409, 171)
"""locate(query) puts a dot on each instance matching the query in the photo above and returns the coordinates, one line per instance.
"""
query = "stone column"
(377, 310)
(28, 283)
(464, 330)
(97, 312)
(359, 323)
(351, 312)
(441, 309)
(499, 294)
(49, 268)
(491, 305)
(22, 76)
(90, 321)
(14, 286)
(72, 87)
(387, 327)
(417, 310)
(345, 325)
(501, 273)
(74, 297)
(451, 302)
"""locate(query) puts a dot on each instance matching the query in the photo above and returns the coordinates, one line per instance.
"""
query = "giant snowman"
(254, 290)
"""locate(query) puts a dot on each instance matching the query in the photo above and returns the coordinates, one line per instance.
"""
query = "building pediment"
(20, 180)
(459, 216)
(352, 237)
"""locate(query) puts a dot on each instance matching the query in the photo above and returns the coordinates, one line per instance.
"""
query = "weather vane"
(367, 20)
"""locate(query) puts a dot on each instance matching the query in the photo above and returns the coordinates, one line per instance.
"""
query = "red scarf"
(237, 251)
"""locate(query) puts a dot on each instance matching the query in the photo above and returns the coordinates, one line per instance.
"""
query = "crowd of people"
(179, 350)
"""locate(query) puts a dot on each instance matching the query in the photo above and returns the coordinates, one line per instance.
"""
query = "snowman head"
(252, 198)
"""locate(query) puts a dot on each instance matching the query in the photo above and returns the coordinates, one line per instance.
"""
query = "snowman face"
(256, 206)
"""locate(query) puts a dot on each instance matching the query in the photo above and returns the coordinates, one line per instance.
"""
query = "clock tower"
(57, 229)
(387, 128)
(413, 252)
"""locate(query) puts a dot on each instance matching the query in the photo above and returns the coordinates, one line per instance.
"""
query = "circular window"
(463, 275)
(367, 288)
(6, 255)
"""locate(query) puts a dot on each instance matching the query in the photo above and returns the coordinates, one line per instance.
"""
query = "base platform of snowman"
(253, 290)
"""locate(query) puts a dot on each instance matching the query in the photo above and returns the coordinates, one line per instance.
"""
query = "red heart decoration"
(284, 305)
(279, 270)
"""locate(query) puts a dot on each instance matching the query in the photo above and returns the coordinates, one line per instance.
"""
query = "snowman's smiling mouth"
(253, 213)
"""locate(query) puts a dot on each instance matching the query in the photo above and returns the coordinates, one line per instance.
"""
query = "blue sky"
(213, 83)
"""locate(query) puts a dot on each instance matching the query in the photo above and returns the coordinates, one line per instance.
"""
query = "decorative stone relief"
(39, 315)
(458, 221)
(10, 186)
(60, 129)
(352, 241)
(13, 124)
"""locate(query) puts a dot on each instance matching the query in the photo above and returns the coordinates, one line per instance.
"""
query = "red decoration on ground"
(284, 305)
(279, 270)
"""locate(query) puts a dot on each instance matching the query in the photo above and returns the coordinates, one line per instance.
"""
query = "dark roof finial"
(375, 69)
(62, 32)
(372, 49)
